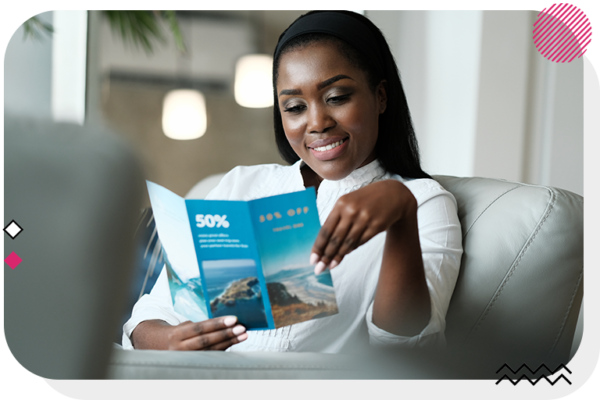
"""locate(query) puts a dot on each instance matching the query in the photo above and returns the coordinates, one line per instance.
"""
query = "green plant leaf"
(143, 29)
(35, 28)
(171, 18)
(138, 28)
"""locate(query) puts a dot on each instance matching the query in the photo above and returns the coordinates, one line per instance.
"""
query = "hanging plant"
(140, 28)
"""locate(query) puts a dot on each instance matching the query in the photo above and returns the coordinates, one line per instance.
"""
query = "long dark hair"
(396, 148)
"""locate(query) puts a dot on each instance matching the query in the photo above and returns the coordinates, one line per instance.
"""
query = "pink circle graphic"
(562, 32)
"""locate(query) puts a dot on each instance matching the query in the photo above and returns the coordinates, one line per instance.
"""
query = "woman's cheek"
(294, 132)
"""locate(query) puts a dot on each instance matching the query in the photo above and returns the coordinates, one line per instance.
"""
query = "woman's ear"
(381, 94)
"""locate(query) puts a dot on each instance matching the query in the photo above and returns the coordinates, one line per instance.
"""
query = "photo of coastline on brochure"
(244, 258)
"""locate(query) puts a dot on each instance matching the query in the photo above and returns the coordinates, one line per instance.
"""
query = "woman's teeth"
(329, 147)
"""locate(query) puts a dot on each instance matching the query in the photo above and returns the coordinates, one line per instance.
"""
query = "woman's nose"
(319, 120)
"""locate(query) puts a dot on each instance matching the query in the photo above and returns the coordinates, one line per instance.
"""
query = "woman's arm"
(402, 302)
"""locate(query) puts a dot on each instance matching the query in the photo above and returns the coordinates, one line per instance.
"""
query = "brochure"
(244, 258)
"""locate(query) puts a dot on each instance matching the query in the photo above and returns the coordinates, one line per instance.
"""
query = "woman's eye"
(294, 109)
(338, 99)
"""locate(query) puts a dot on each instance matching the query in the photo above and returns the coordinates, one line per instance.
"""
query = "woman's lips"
(329, 154)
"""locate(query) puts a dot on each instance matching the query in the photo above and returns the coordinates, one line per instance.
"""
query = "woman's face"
(330, 115)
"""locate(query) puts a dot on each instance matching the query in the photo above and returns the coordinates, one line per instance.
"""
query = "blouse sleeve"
(155, 305)
(441, 244)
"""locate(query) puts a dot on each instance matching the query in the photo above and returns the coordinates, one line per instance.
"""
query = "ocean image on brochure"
(297, 294)
(286, 232)
(187, 296)
(234, 289)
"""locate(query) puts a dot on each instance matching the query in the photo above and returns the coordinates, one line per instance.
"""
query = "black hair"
(396, 148)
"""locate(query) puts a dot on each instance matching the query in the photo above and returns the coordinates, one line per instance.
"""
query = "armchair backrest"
(520, 286)
(77, 193)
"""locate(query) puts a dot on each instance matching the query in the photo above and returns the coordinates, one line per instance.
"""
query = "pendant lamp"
(184, 114)
(184, 109)
(253, 86)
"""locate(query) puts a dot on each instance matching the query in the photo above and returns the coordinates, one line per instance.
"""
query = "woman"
(390, 234)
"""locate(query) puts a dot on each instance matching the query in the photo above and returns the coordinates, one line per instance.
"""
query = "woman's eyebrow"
(329, 81)
(324, 84)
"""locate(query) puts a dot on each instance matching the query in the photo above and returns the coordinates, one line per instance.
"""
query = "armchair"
(516, 301)
(77, 195)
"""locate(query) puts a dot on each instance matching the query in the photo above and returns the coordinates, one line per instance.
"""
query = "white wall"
(46, 77)
(483, 101)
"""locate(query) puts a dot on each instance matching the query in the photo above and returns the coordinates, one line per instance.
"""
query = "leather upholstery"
(520, 286)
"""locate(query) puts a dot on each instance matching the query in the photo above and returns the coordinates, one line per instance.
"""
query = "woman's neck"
(310, 177)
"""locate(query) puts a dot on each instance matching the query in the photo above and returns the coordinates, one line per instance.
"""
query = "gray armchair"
(78, 195)
(516, 301)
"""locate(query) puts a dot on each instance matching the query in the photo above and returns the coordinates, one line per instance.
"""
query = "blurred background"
(484, 102)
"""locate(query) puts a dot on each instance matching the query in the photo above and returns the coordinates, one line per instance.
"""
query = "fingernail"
(333, 264)
(230, 321)
(243, 337)
(238, 329)
(314, 257)
(320, 267)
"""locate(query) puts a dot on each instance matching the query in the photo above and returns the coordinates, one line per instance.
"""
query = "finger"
(367, 235)
(323, 237)
(351, 242)
(205, 341)
(193, 329)
(348, 245)
(336, 239)
(228, 343)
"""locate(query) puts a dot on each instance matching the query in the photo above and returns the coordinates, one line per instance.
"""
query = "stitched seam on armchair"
(516, 263)
(564, 321)
(488, 206)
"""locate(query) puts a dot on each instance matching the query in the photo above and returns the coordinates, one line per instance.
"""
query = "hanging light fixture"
(184, 114)
(184, 109)
(253, 85)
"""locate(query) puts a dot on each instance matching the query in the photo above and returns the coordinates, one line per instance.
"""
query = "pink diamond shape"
(13, 260)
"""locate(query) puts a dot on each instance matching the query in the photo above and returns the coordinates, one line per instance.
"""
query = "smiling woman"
(341, 119)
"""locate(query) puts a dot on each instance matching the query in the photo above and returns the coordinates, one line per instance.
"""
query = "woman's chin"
(334, 171)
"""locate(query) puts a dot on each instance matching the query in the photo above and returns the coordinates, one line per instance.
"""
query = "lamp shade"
(253, 81)
(184, 114)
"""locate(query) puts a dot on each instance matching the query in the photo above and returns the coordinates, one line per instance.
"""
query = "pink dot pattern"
(13, 260)
(562, 33)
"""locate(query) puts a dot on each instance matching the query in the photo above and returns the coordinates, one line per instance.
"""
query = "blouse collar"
(359, 177)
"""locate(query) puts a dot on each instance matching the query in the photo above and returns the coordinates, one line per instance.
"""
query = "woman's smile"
(328, 149)
(329, 113)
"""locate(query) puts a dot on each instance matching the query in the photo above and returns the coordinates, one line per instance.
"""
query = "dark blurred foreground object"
(516, 302)
(77, 194)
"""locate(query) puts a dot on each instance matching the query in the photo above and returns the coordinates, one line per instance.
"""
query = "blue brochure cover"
(244, 258)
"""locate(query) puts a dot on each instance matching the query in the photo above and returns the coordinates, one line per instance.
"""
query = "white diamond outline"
(9, 225)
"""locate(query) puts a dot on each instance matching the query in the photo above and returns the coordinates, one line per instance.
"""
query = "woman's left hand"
(357, 217)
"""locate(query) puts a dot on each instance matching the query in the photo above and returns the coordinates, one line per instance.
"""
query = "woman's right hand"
(212, 334)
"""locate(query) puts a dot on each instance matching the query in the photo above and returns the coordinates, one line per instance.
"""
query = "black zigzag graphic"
(533, 382)
(533, 372)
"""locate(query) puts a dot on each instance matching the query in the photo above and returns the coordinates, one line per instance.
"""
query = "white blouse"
(355, 279)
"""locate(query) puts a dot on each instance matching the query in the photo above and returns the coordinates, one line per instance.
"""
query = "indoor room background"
(484, 102)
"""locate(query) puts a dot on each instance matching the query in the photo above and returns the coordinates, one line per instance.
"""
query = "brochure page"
(244, 258)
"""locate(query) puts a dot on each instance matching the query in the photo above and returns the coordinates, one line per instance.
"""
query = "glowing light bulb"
(184, 114)
(254, 81)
